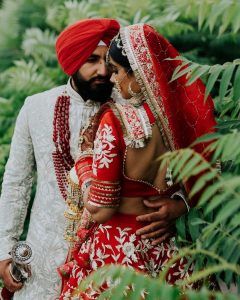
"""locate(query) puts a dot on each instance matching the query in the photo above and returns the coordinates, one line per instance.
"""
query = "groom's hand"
(5, 275)
(162, 221)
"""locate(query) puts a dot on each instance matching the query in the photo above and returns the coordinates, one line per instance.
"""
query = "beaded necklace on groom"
(93, 85)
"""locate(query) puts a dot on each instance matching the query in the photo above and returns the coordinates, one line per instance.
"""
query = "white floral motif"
(119, 244)
(102, 148)
(128, 249)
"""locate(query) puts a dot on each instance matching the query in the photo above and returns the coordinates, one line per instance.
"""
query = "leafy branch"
(227, 74)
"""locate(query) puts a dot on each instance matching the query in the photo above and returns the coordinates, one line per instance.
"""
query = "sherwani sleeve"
(16, 187)
(107, 164)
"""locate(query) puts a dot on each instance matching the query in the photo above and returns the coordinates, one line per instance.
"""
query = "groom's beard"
(98, 89)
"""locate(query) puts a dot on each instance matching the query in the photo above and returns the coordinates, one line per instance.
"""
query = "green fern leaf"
(177, 69)
(179, 161)
(202, 181)
(203, 166)
(217, 9)
(225, 80)
(197, 73)
(169, 293)
(214, 71)
(236, 85)
(203, 10)
(210, 192)
(121, 289)
(181, 228)
(189, 165)
(186, 71)
(236, 20)
(227, 18)
(206, 138)
(217, 201)
(233, 151)
(137, 288)
(194, 230)
(228, 210)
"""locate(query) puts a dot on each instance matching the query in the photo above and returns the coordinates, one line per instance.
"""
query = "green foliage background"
(206, 32)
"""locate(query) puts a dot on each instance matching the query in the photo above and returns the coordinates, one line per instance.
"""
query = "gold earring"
(137, 98)
(131, 92)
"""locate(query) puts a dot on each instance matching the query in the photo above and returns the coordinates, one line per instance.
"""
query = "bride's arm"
(102, 197)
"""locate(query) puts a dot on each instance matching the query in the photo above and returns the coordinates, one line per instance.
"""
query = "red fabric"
(188, 116)
(108, 174)
(6, 294)
(183, 115)
(77, 42)
(115, 242)
(83, 169)
(107, 163)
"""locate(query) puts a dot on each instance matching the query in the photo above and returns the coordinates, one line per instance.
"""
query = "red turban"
(78, 41)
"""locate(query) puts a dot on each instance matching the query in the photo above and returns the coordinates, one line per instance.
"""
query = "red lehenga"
(181, 116)
(116, 242)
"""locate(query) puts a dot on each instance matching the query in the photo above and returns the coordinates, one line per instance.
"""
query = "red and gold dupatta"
(180, 110)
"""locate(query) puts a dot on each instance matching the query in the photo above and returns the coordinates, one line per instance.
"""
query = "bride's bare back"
(142, 164)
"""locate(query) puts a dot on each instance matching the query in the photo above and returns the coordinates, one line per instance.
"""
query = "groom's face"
(92, 80)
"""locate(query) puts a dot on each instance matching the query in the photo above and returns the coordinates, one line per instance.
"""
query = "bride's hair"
(118, 54)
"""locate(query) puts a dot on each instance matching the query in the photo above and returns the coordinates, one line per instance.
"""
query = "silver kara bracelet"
(180, 194)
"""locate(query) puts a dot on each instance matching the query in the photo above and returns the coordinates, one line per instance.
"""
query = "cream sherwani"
(32, 147)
